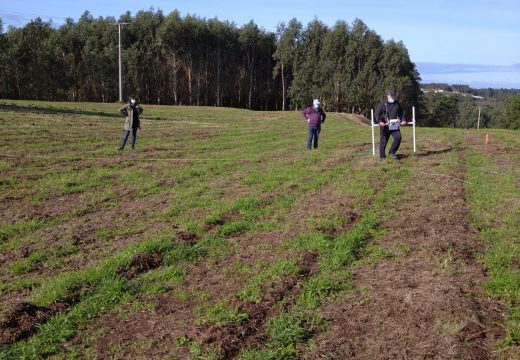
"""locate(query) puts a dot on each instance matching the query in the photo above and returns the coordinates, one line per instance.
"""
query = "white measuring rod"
(377, 125)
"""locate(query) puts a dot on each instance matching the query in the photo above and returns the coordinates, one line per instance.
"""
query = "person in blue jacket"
(315, 116)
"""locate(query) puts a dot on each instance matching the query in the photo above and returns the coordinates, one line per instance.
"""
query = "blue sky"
(485, 32)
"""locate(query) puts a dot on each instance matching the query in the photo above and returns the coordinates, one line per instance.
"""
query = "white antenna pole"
(372, 127)
(478, 121)
(413, 118)
(120, 71)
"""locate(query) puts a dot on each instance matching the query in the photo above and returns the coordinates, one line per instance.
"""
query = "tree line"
(460, 106)
(171, 59)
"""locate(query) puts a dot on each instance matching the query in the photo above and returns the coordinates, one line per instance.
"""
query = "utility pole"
(478, 121)
(120, 72)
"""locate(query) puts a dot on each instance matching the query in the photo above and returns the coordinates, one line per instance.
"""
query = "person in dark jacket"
(315, 116)
(131, 110)
(389, 115)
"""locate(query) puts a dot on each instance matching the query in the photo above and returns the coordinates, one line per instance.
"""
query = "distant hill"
(474, 75)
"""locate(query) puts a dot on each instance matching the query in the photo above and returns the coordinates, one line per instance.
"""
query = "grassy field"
(221, 237)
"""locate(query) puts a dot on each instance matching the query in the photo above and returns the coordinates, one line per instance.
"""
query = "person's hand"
(308, 120)
(403, 122)
(382, 124)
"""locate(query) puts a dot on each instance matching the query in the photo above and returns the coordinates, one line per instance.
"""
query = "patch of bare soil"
(225, 218)
(14, 210)
(140, 263)
(187, 238)
(350, 220)
(230, 339)
(157, 331)
(426, 303)
(173, 317)
(143, 334)
(500, 153)
(21, 320)
(81, 230)
(319, 202)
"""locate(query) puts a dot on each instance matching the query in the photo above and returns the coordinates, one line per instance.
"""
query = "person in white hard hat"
(315, 116)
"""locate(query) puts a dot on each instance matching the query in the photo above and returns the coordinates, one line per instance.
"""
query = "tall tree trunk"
(199, 83)
(18, 84)
(283, 87)
(175, 80)
(188, 69)
(251, 67)
(218, 76)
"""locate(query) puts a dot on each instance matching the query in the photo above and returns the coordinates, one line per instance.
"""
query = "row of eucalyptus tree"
(348, 67)
(171, 59)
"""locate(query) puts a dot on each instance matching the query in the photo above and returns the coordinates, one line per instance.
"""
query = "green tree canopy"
(511, 119)
(171, 59)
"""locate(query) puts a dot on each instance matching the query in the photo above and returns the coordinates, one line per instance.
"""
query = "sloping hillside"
(221, 237)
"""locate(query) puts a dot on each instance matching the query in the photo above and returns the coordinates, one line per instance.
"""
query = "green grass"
(160, 280)
(336, 257)
(111, 290)
(495, 211)
(28, 264)
(22, 227)
(285, 331)
(99, 289)
(267, 274)
(234, 178)
(221, 314)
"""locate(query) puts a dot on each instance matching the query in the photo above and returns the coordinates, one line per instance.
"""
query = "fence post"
(372, 127)
(413, 119)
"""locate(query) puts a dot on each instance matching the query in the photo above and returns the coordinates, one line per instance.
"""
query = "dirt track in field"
(427, 302)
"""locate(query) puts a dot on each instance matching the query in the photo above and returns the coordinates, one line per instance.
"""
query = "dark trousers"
(125, 138)
(314, 134)
(384, 136)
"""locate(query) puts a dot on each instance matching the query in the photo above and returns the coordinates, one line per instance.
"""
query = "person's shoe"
(133, 147)
(120, 148)
(393, 156)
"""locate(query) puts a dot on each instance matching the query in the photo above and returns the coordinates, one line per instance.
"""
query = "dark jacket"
(316, 116)
(386, 111)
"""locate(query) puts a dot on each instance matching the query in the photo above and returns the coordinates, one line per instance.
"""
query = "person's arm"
(323, 115)
(377, 116)
(140, 110)
(123, 111)
(305, 114)
(400, 114)
(399, 111)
